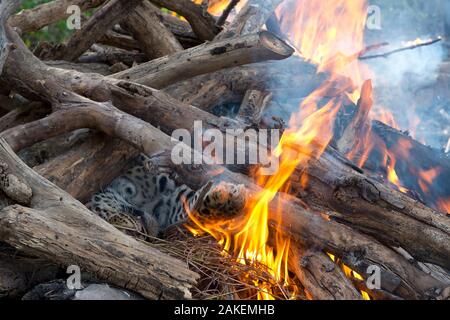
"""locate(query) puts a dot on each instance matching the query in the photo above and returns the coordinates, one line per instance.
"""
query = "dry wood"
(181, 29)
(118, 40)
(48, 229)
(7, 120)
(322, 279)
(103, 19)
(48, 13)
(250, 19)
(253, 106)
(111, 55)
(203, 24)
(229, 86)
(426, 244)
(6, 9)
(207, 58)
(400, 277)
(359, 124)
(100, 68)
(145, 23)
(87, 168)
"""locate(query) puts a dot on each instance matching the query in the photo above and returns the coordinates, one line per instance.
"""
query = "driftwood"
(426, 244)
(202, 23)
(95, 28)
(207, 58)
(145, 23)
(47, 229)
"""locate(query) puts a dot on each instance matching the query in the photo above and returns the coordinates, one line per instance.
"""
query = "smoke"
(405, 83)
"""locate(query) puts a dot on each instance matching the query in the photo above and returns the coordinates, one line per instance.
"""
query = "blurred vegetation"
(55, 33)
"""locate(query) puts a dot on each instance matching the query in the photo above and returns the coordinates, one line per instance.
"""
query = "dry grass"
(222, 277)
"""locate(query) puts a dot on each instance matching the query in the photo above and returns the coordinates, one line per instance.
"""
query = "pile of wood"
(77, 113)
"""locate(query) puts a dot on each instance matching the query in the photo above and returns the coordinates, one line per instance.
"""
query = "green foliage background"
(53, 33)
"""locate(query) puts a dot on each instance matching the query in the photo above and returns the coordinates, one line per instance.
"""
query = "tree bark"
(202, 23)
(47, 229)
(48, 13)
(147, 27)
(250, 19)
(208, 58)
(103, 19)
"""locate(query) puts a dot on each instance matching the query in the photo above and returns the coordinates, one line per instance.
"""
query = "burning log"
(229, 86)
(322, 279)
(309, 228)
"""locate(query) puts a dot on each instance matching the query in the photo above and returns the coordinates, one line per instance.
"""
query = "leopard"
(144, 203)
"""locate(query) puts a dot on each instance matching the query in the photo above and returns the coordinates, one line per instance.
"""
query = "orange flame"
(329, 34)
(216, 7)
(444, 205)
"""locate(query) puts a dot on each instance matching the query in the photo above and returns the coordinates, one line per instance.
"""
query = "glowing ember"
(349, 273)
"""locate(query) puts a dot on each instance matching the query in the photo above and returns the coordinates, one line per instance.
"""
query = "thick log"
(42, 152)
(229, 86)
(203, 24)
(412, 170)
(47, 229)
(208, 58)
(86, 169)
(374, 208)
(103, 19)
(250, 19)
(145, 23)
(49, 13)
(6, 9)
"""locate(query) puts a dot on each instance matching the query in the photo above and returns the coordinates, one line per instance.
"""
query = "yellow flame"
(349, 273)
(328, 33)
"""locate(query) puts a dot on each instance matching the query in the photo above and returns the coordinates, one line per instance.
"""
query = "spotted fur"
(151, 202)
